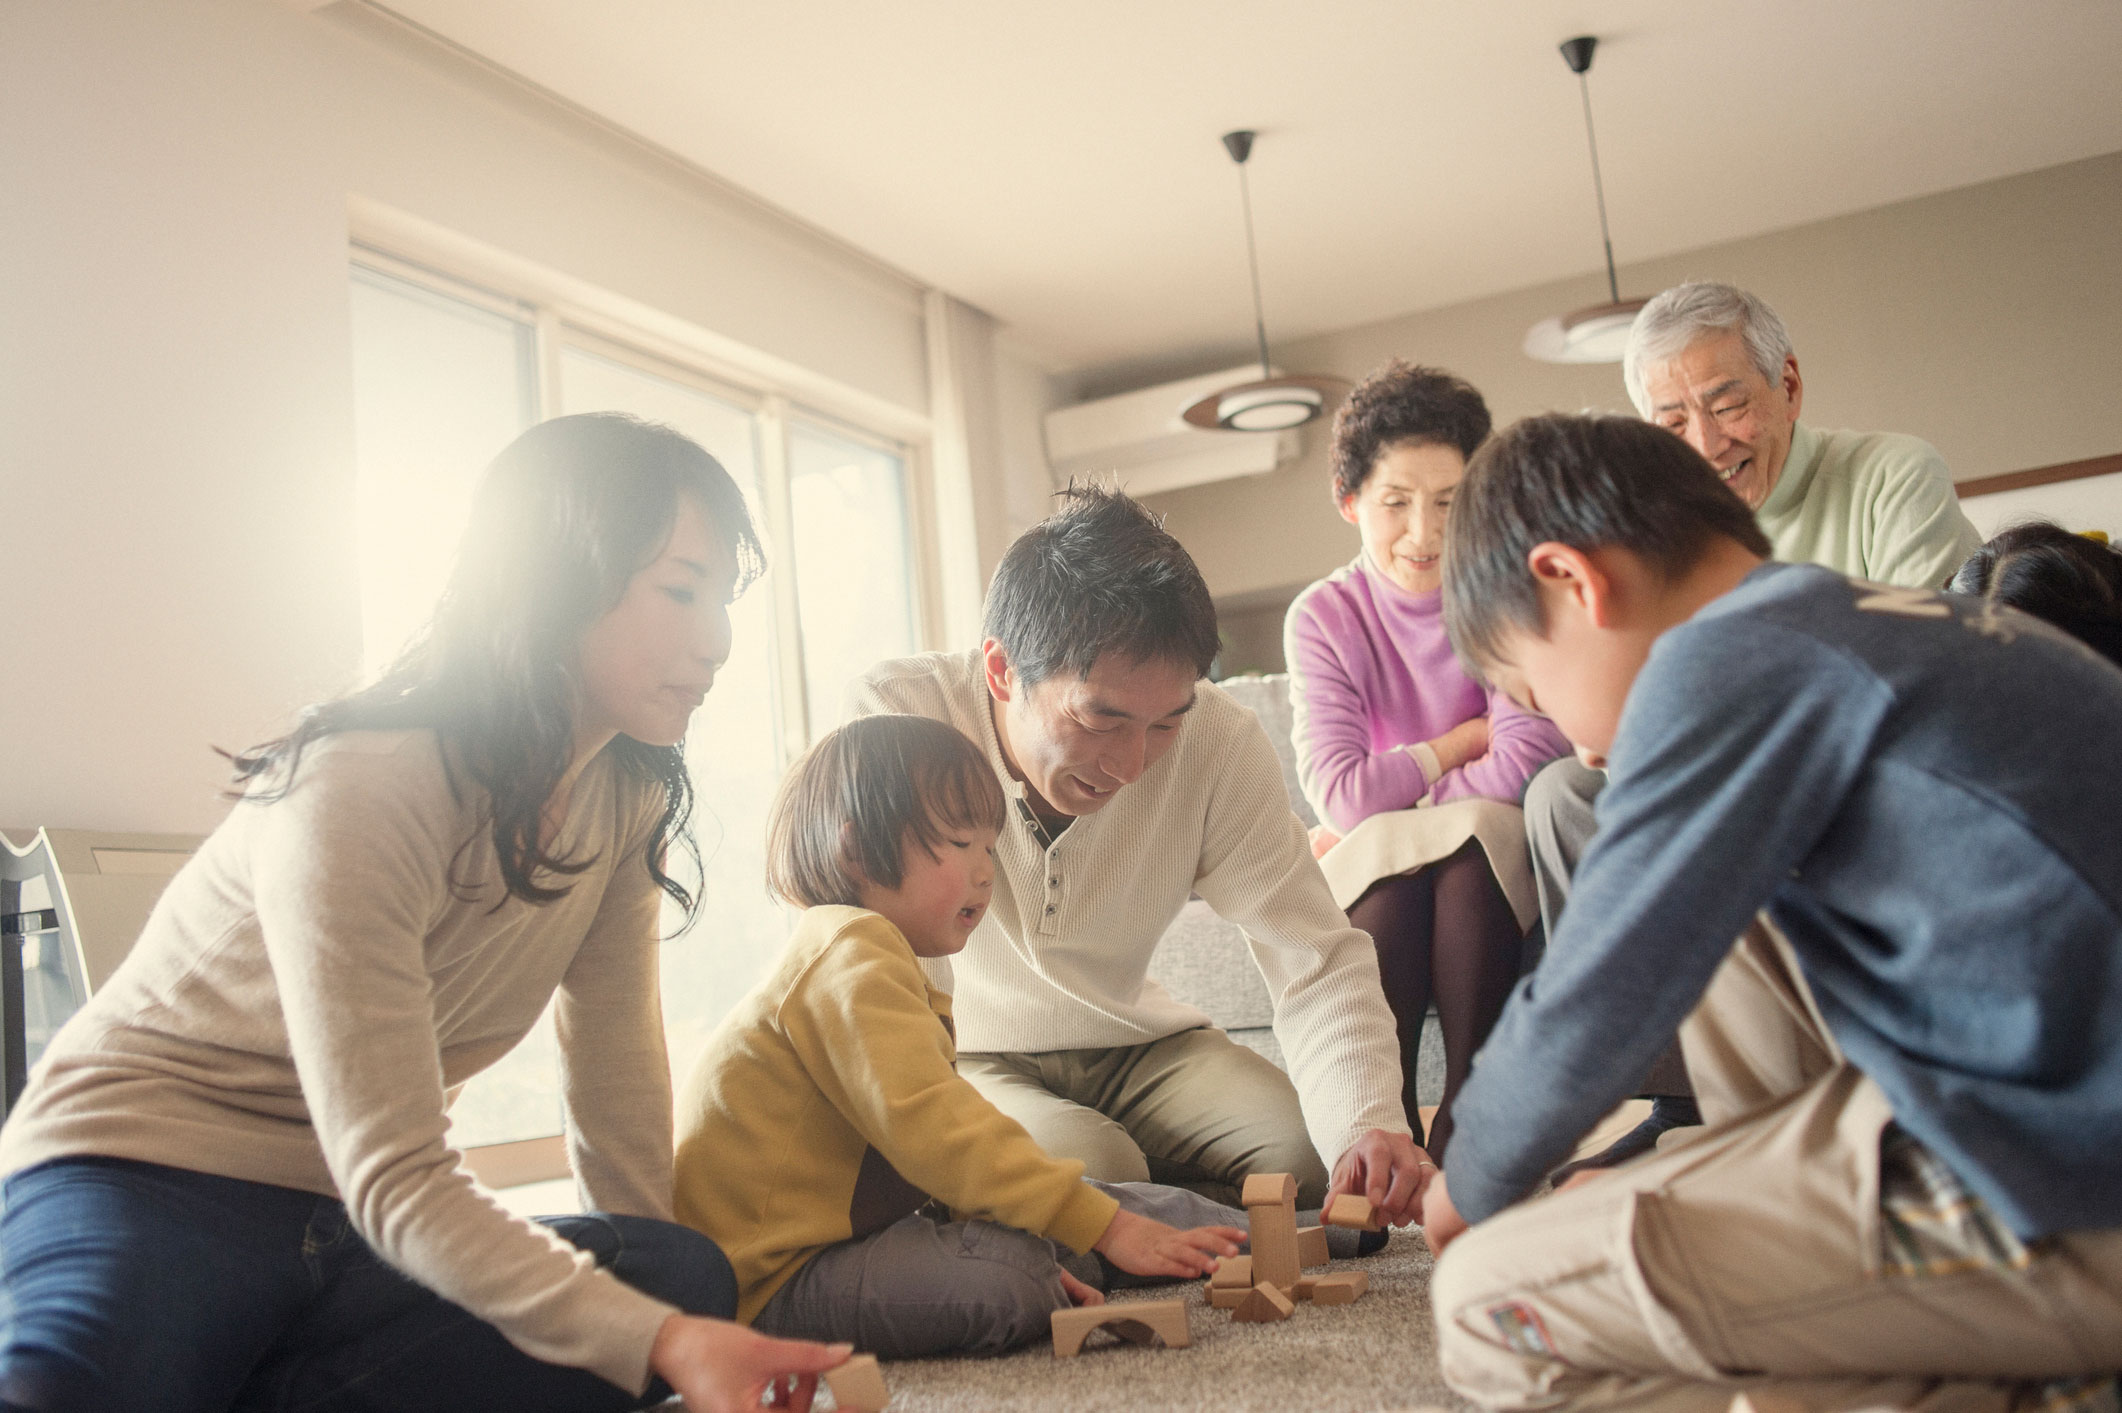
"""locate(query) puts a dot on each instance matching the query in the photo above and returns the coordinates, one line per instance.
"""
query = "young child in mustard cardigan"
(825, 1129)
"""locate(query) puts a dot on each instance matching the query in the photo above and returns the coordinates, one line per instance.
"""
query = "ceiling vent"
(1142, 439)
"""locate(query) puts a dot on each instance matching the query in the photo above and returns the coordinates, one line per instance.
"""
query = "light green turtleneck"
(1877, 505)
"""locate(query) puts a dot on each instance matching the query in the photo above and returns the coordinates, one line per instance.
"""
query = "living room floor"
(1377, 1354)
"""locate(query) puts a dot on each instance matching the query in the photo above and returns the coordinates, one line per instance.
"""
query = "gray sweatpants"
(922, 1287)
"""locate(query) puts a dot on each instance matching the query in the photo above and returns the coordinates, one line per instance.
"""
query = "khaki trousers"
(1750, 1258)
(1194, 1110)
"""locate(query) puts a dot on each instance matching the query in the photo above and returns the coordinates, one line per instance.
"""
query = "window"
(445, 374)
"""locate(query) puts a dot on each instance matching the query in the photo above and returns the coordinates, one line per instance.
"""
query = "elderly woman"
(1417, 764)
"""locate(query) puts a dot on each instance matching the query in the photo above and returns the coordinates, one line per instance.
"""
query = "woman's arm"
(1344, 780)
(1519, 743)
(350, 871)
(614, 1065)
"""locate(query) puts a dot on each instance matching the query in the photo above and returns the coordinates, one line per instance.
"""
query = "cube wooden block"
(1263, 1305)
(1234, 1272)
(1349, 1210)
(1138, 1321)
(1311, 1246)
(858, 1385)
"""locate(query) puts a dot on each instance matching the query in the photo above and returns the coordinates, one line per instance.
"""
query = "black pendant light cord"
(1591, 137)
(1240, 147)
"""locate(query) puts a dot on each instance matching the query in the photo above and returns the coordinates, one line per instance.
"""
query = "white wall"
(2091, 503)
(1983, 320)
(176, 492)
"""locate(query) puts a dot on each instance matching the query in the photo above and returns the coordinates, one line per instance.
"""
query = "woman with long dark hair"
(230, 1182)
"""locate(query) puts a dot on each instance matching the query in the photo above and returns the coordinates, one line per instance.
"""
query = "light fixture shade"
(1597, 334)
(1265, 405)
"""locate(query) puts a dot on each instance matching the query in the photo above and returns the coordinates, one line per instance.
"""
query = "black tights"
(1447, 934)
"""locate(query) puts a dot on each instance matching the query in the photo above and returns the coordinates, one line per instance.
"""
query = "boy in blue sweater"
(1902, 804)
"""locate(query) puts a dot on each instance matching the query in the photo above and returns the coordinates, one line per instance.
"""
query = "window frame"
(563, 314)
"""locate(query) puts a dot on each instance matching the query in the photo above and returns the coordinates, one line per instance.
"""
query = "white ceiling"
(1058, 164)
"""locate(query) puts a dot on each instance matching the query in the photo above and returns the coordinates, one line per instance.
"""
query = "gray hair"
(1685, 313)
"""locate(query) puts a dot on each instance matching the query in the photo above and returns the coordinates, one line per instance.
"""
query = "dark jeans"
(151, 1289)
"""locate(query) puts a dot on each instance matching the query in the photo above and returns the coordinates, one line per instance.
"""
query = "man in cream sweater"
(1133, 783)
(1713, 365)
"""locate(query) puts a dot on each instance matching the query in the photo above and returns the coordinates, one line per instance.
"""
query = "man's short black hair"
(1100, 575)
(1402, 404)
(1585, 482)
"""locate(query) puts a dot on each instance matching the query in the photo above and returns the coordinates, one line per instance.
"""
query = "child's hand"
(1143, 1247)
(1079, 1292)
(718, 1366)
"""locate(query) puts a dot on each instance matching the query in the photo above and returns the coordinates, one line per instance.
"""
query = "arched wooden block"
(1139, 1321)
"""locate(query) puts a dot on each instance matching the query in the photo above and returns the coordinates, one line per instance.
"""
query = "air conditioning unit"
(1141, 437)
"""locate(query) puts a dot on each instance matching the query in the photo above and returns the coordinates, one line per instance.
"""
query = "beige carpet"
(1379, 1353)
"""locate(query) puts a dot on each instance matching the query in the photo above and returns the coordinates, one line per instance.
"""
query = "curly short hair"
(1403, 403)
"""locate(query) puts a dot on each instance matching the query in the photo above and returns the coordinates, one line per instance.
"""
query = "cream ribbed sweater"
(311, 984)
(1061, 961)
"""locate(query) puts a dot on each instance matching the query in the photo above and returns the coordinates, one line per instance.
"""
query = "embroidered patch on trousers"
(1519, 1326)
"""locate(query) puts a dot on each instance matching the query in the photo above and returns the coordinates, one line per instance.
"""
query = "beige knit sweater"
(329, 965)
(1061, 960)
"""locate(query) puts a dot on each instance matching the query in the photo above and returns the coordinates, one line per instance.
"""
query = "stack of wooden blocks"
(1268, 1284)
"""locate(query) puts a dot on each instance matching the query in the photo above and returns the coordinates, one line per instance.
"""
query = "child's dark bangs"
(959, 792)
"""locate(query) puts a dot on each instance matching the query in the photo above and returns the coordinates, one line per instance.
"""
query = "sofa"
(1203, 960)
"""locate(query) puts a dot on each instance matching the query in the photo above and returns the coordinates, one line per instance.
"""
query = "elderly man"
(1713, 364)
(1132, 784)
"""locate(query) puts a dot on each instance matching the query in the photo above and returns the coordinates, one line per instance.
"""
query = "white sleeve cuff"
(1426, 757)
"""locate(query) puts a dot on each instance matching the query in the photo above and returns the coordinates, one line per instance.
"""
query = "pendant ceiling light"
(1596, 334)
(1268, 403)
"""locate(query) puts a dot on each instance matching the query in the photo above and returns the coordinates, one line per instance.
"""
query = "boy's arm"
(1738, 743)
(860, 1021)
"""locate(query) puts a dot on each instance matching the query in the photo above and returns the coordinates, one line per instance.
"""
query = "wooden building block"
(1228, 1297)
(1339, 1288)
(1271, 1188)
(1271, 1211)
(1233, 1273)
(1311, 1246)
(1349, 1210)
(858, 1385)
(1138, 1321)
(1263, 1306)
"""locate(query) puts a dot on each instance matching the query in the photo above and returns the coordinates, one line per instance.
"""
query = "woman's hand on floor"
(1143, 1247)
(718, 1366)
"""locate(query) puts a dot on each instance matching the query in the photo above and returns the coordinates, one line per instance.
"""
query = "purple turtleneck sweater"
(1371, 669)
